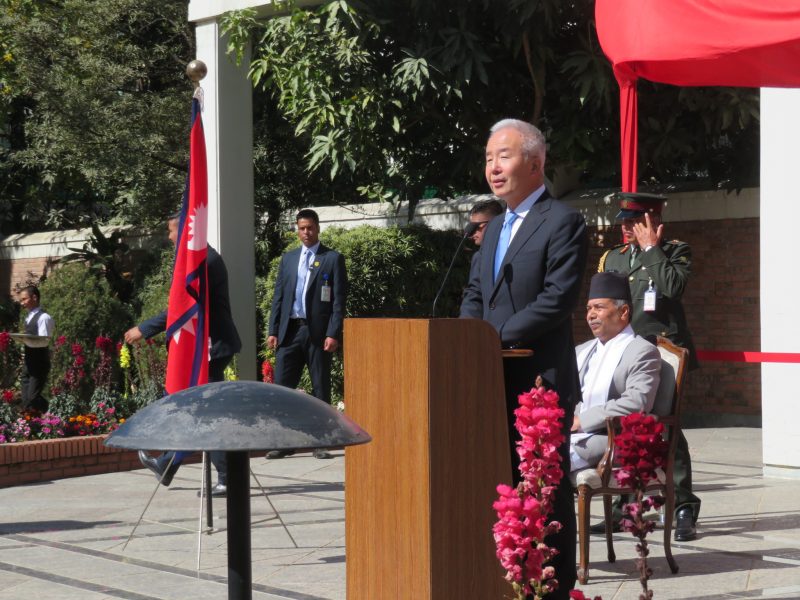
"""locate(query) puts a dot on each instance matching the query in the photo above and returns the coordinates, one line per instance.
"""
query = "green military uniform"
(666, 268)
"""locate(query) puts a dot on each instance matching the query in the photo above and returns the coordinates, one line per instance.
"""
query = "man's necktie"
(502, 243)
(302, 275)
(634, 254)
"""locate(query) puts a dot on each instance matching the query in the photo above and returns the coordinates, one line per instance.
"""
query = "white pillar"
(228, 123)
(780, 280)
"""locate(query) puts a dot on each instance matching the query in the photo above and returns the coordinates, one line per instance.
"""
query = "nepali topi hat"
(610, 284)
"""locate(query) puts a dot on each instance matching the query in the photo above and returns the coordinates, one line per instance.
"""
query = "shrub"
(392, 272)
(10, 357)
(9, 313)
(82, 305)
(153, 296)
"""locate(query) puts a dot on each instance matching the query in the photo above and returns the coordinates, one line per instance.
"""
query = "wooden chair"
(599, 481)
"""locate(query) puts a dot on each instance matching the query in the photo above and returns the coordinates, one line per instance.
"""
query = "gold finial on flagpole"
(195, 71)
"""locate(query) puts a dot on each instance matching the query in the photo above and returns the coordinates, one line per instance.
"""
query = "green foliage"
(150, 363)
(111, 257)
(153, 295)
(82, 305)
(66, 405)
(94, 110)
(9, 313)
(392, 272)
(392, 97)
(10, 361)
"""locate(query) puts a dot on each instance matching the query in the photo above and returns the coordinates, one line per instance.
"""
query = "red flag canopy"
(747, 43)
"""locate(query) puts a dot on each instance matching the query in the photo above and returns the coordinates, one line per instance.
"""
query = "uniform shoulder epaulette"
(601, 265)
(624, 247)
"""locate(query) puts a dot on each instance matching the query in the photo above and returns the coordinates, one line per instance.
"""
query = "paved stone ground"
(64, 540)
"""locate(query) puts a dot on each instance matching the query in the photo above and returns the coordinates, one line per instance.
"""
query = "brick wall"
(15, 274)
(45, 460)
(723, 313)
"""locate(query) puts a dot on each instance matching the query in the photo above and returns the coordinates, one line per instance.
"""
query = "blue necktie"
(502, 243)
(302, 275)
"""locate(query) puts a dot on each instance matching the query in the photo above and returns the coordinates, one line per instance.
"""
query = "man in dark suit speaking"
(526, 282)
(307, 316)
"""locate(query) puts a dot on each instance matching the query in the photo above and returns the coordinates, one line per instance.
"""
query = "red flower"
(523, 511)
(641, 449)
(267, 372)
(5, 340)
(76, 349)
(8, 396)
(104, 344)
(578, 595)
(61, 340)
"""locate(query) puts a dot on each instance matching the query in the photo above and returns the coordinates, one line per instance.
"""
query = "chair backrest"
(673, 370)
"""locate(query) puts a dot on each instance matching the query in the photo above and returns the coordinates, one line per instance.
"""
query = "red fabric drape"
(748, 43)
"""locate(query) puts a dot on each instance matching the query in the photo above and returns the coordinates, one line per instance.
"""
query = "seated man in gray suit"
(619, 371)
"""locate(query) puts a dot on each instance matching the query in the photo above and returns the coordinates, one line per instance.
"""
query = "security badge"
(650, 298)
(325, 293)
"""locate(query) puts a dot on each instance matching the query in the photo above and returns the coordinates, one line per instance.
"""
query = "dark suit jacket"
(531, 302)
(221, 328)
(325, 319)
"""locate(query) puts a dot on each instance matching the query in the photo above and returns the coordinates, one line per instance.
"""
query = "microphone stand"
(470, 229)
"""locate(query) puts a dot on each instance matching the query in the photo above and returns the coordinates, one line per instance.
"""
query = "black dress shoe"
(600, 528)
(685, 530)
(151, 463)
(320, 453)
(273, 454)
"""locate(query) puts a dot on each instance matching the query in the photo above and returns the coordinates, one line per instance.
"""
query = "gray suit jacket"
(633, 389)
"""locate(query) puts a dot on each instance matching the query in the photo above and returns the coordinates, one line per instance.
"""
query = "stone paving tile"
(63, 540)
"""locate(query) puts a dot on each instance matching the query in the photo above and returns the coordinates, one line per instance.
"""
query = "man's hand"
(272, 342)
(133, 334)
(576, 423)
(646, 234)
(331, 344)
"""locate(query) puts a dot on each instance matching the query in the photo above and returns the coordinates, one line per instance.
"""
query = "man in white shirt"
(619, 370)
(36, 365)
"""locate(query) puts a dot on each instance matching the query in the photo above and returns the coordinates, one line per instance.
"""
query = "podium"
(418, 498)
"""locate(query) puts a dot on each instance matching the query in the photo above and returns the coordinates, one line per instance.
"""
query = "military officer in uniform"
(658, 271)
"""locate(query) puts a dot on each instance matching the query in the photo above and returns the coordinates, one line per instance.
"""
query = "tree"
(94, 109)
(391, 97)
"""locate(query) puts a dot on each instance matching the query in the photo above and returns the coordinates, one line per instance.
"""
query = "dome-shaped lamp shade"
(237, 416)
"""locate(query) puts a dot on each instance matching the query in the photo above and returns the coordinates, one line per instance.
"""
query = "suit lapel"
(316, 265)
(293, 263)
(535, 218)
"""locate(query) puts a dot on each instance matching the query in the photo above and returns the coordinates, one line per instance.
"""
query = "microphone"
(469, 230)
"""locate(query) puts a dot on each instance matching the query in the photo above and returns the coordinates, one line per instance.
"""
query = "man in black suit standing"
(307, 316)
(526, 282)
(225, 343)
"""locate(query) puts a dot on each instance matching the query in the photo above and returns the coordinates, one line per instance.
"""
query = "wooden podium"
(418, 498)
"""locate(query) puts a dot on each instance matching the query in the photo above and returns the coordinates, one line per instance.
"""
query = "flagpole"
(196, 70)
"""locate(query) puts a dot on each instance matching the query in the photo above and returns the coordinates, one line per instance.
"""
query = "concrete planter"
(45, 460)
